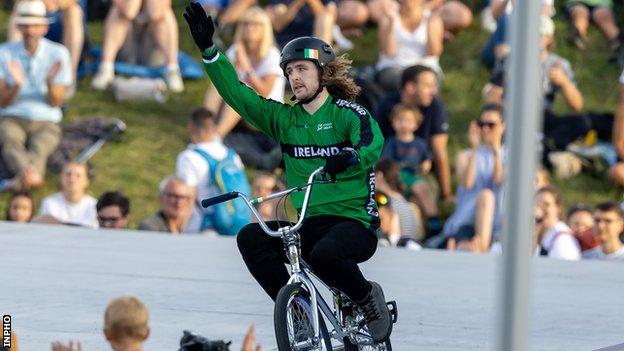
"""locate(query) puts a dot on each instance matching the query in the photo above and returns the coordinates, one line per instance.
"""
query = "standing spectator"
(113, 208)
(408, 230)
(20, 208)
(161, 19)
(598, 11)
(193, 167)
(412, 154)
(553, 237)
(176, 206)
(72, 205)
(609, 226)
(616, 173)
(580, 219)
(419, 89)
(34, 76)
(257, 63)
(72, 28)
(407, 37)
(477, 217)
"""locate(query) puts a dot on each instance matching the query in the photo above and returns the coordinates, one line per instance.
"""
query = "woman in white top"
(553, 238)
(72, 205)
(256, 60)
(412, 35)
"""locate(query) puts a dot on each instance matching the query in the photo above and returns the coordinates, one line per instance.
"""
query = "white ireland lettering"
(306, 151)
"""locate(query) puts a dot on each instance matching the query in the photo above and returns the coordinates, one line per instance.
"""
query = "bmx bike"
(300, 310)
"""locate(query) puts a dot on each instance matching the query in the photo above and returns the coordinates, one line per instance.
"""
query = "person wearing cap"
(34, 76)
(324, 128)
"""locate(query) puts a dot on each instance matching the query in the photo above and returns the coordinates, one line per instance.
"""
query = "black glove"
(202, 27)
(338, 163)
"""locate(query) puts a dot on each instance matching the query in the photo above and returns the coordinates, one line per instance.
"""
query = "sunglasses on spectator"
(483, 124)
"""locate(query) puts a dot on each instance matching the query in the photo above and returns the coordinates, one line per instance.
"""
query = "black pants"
(332, 246)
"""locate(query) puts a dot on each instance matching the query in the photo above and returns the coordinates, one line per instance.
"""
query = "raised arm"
(258, 111)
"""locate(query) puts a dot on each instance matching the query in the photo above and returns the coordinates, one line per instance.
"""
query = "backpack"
(229, 217)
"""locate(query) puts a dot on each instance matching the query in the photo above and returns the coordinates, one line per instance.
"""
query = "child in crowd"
(399, 219)
(413, 157)
(265, 184)
(71, 205)
(126, 323)
(580, 219)
(20, 208)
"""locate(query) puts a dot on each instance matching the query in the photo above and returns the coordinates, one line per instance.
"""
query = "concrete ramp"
(56, 282)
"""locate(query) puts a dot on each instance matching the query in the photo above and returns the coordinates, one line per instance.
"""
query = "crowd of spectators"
(39, 71)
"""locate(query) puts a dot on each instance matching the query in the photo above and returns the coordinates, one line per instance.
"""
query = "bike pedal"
(394, 312)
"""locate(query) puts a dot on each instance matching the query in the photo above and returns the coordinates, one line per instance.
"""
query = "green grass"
(156, 132)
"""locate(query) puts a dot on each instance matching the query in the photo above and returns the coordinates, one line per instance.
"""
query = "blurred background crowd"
(433, 73)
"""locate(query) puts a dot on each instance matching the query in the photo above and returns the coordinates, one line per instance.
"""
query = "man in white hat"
(34, 76)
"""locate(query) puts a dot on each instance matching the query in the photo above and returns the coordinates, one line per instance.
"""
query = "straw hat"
(31, 12)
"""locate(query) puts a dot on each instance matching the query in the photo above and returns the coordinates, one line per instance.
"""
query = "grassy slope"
(156, 131)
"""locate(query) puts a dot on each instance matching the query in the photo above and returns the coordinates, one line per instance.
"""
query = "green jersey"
(307, 139)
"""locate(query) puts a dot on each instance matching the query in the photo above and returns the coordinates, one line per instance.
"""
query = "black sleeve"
(439, 118)
(498, 74)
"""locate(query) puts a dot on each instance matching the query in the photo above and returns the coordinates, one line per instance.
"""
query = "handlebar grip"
(219, 199)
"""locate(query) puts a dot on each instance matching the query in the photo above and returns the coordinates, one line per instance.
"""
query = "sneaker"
(173, 78)
(104, 78)
(376, 314)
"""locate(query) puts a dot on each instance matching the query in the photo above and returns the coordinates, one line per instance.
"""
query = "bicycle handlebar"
(219, 199)
(250, 203)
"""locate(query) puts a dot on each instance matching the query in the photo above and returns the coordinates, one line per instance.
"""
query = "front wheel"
(294, 326)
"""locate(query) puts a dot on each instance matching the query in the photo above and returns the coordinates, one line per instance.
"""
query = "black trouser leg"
(264, 256)
(335, 256)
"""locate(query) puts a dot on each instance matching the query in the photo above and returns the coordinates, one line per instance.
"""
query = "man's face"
(424, 88)
(177, 200)
(33, 31)
(609, 225)
(111, 217)
(303, 77)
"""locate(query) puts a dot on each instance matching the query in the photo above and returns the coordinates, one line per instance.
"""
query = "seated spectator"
(164, 27)
(34, 76)
(72, 205)
(265, 184)
(480, 174)
(609, 226)
(404, 228)
(20, 208)
(616, 172)
(257, 62)
(580, 219)
(72, 28)
(553, 238)
(113, 208)
(412, 155)
(581, 12)
(557, 76)
(176, 206)
(193, 165)
(407, 37)
(419, 89)
(298, 18)
(455, 15)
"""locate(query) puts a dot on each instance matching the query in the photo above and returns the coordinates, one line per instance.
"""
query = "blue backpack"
(229, 217)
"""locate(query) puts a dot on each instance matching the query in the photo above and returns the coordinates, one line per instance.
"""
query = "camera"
(194, 342)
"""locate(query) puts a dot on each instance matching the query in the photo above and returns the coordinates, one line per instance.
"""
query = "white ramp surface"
(56, 282)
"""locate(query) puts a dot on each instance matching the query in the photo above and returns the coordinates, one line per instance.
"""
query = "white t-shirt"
(560, 243)
(598, 254)
(194, 170)
(82, 213)
(268, 66)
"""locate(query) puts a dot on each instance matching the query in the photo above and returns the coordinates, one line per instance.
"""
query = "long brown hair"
(337, 80)
(391, 174)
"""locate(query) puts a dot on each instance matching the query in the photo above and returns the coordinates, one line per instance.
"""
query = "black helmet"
(307, 48)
